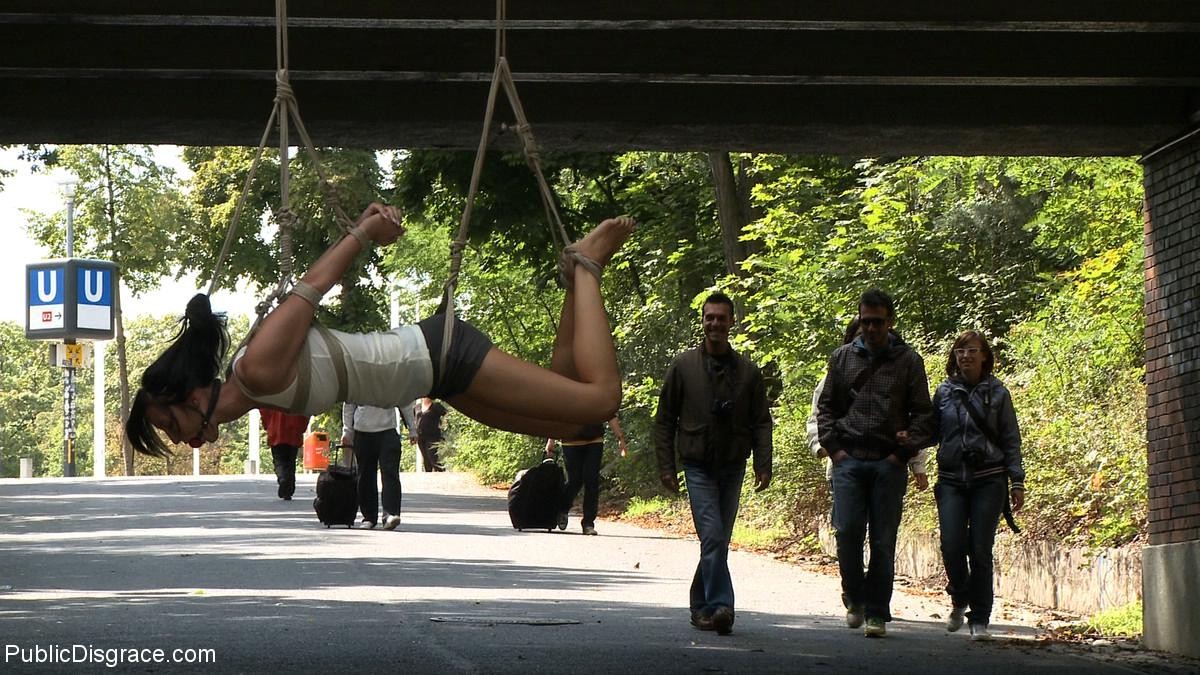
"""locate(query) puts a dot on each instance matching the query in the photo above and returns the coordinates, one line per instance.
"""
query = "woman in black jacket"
(979, 453)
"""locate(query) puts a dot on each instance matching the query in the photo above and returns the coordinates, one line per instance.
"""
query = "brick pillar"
(1171, 562)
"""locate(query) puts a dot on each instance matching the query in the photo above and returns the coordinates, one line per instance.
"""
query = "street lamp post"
(69, 186)
(69, 367)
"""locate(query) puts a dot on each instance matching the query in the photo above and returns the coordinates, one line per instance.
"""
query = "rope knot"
(285, 217)
(283, 89)
(331, 195)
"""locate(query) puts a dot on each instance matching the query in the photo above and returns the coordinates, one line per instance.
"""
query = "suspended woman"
(294, 365)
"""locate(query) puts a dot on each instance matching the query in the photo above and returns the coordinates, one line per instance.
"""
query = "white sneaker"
(391, 523)
(979, 631)
(366, 525)
(955, 620)
(854, 617)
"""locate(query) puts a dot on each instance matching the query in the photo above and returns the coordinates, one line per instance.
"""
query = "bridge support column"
(1171, 561)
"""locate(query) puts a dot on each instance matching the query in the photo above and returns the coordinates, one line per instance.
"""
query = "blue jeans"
(714, 492)
(868, 492)
(583, 471)
(967, 517)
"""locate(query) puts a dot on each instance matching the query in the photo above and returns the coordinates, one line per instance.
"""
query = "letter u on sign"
(47, 286)
(93, 285)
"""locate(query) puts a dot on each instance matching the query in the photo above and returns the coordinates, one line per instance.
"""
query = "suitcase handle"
(333, 451)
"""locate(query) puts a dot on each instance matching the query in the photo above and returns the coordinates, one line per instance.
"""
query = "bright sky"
(43, 193)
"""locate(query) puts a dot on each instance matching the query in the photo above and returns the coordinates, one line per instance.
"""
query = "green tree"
(30, 404)
(507, 286)
(129, 210)
(216, 187)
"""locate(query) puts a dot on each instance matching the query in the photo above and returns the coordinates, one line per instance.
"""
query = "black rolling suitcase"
(336, 502)
(534, 497)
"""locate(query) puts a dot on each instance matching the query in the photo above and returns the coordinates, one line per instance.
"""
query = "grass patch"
(756, 537)
(1119, 622)
(640, 508)
(1124, 621)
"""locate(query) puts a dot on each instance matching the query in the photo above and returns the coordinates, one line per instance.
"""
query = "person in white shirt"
(372, 433)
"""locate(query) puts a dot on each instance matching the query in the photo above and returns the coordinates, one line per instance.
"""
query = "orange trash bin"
(316, 451)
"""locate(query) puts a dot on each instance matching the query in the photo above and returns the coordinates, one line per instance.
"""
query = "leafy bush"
(640, 507)
(1078, 387)
(1123, 621)
(493, 456)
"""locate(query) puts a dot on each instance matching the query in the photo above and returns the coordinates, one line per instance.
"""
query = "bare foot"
(602, 242)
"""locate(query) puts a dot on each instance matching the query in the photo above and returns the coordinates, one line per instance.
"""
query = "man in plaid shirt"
(873, 416)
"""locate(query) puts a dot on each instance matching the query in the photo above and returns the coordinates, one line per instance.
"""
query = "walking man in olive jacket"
(713, 410)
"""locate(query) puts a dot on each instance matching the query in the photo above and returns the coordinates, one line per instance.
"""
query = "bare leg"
(269, 364)
(595, 356)
(502, 419)
(562, 360)
(510, 394)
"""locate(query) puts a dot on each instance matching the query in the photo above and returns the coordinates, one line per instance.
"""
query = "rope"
(286, 108)
(283, 109)
(501, 78)
(501, 29)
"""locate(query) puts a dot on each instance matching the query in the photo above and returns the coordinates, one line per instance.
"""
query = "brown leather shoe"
(702, 621)
(722, 620)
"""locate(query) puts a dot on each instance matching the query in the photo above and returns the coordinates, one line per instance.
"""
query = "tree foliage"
(219, 175)
(1032, 251)
(30, 405)
(1004, 245)
(129, 209)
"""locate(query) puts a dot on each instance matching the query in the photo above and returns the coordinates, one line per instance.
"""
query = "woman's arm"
(1010, 436)
(615, 425)
(269, 363)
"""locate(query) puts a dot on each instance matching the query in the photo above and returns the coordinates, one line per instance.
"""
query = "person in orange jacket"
(285, 435)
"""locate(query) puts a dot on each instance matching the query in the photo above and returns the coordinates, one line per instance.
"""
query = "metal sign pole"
(98, 440)
(69, 379)
(69, 415)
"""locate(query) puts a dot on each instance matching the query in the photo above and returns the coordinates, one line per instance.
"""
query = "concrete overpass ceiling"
(861, 77)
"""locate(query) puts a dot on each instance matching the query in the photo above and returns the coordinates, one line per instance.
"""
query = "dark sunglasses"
(871, 321)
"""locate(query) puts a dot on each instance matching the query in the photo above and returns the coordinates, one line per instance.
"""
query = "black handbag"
(993, 438)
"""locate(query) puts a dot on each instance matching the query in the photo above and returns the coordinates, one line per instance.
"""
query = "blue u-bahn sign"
(69, 299)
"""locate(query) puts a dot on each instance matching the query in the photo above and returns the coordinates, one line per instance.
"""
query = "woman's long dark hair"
(193, 360)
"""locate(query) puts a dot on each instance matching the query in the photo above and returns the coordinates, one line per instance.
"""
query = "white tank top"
(382, 369)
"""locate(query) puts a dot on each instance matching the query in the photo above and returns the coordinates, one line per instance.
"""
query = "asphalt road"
(221, 569)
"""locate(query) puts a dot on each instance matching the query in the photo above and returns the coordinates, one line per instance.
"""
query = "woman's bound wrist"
(360, 233)
(307, 292)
